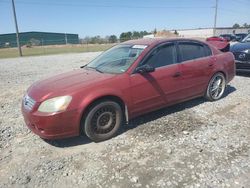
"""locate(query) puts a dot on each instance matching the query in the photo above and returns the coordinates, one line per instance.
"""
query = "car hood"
(239, 47)
(66, 83)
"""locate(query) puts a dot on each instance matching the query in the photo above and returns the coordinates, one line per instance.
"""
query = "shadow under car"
(80, 140)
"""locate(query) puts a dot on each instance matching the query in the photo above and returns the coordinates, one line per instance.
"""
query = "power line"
(231, 11)
(242, 2)
(107, 6)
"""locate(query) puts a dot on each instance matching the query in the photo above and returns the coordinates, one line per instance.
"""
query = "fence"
(36, 42)
(41, 47)
(53, 49)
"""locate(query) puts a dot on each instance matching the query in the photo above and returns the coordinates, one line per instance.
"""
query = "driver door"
(153, 90)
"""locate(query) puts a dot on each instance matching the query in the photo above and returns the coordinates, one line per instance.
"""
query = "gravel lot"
(193, 144)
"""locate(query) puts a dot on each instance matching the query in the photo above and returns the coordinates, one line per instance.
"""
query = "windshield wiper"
(98, 70)
(95, 68)
(83, 66)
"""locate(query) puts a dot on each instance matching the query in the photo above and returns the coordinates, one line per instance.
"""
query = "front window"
(117, 59)
(162, 56)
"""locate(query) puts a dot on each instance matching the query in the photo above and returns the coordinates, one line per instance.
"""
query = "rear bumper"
(52, 126)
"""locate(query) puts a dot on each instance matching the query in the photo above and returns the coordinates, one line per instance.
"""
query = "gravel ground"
(193, 144)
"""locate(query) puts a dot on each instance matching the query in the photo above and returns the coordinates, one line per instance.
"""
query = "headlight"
(247, 51)
(56, 104)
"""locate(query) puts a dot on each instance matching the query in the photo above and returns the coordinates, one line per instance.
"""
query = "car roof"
(154, 41)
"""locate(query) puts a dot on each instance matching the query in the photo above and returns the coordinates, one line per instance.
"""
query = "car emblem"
(242, 56)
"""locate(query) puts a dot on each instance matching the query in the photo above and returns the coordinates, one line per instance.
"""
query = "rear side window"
(189, 51)
(208, 50)
(162, 56)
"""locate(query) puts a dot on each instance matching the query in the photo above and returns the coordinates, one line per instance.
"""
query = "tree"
(146, 33)
(85, 40)
(95, 40)
(129, 35)
(132, 35)
(236, 25)
(125, 36)
(141, 33)
(136, 35)
(175, 32)
(112, 39)
(246, 25)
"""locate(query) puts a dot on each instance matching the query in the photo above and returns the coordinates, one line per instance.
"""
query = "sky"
(107, 17)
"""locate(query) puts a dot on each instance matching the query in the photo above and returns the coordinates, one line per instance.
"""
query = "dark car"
(241, 53)
(228, 37)
(128, 80)
(240, 36)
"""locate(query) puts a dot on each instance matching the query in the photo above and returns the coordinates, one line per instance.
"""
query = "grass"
(56, 49)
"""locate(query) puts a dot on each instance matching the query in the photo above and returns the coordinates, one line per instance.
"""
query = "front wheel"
(103, 120)
(216, 87)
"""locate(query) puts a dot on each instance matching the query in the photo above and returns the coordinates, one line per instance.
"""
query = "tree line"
(114, 39)
(132, 35)
(245, 25)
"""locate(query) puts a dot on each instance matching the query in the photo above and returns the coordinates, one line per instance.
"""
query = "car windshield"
(117, 59)
(246, 39)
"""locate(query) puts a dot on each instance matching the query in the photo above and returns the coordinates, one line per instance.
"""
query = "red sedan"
(126, 81)
(215, 38)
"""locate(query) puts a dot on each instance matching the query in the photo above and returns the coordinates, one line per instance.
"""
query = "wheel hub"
(104, 120)
(217, 87)
(216, 84)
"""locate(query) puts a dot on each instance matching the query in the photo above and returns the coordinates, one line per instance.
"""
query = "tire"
(216, 87)
(103, 120)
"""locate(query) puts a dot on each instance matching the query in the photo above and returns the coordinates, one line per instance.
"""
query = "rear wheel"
(103, 120)
(216, 87)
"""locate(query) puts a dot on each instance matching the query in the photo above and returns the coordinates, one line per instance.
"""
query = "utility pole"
(66, 38)
(215, 17)
(17, 32)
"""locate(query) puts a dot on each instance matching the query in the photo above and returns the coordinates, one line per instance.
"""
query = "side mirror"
(145, 69)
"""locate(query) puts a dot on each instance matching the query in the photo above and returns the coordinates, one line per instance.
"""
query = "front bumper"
(52, 126)
(242, 66)
(242, 61)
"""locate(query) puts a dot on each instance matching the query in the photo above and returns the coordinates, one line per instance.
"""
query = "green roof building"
(38, 39)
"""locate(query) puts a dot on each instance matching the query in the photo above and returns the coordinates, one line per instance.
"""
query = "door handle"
(210, 65)
(177, 74)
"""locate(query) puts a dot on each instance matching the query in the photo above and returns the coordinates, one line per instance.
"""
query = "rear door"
(196, 66)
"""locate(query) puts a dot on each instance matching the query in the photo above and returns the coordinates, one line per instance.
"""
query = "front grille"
(241, 56)
(242, 65)
(28, 102)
